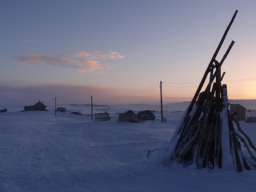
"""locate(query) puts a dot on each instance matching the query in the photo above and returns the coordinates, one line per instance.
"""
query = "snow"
(69, 153)
(227, 160)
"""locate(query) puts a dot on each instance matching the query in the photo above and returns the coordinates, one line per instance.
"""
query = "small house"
(128, 116)
(102, 116)
(251, 120)
(39, 106)
(239, 111)
(61, 109)
(3, 110)
(146, 115)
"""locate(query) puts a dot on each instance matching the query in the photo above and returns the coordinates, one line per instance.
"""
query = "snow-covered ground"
(70, 153)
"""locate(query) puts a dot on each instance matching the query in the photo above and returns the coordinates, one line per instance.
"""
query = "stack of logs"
(209, 137)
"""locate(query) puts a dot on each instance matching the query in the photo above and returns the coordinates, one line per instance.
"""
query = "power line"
(133, 93)
(155, 85)
(241, 80)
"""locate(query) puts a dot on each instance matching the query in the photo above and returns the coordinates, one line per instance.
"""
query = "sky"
(118, 51)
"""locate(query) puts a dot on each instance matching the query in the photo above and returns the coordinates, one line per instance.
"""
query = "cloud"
(89, 65)
(41, 59)
(111, 55)
(82, 53)
(98, 55)
(83, 61)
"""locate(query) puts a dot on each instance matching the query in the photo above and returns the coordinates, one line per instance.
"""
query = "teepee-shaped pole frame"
(207, 136)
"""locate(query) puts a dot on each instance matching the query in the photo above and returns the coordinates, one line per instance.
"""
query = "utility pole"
(91, 108)
(55, 106)
(161, 102)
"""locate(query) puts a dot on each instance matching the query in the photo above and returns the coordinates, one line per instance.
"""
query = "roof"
(39, 104)
(238, 105)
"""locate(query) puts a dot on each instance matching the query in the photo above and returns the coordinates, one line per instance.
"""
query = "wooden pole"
(227, 52)
(161, 102)
(55, 106)
(91, 108)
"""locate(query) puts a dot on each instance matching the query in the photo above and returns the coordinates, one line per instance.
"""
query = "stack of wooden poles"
(209, 136)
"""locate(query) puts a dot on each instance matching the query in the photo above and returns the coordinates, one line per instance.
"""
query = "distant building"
(61, 109)
(239, 111)
(128, 116)
(3, 110)
(102, 116)
(146, 115)
(39, 106)
(251, 120)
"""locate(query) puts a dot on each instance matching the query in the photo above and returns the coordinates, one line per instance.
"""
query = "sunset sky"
(119, 50)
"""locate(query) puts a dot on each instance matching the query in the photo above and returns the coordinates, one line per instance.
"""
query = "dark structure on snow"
(39, 106)
(3, 110)
(251, 120)
(146, 115)
(61, 109)
(76, 113)
(102, 116)
(209, 136)
(239, 112)
(130, 116)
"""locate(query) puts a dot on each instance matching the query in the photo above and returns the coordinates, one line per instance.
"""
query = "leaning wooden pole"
(227, 52)
(211, 62)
